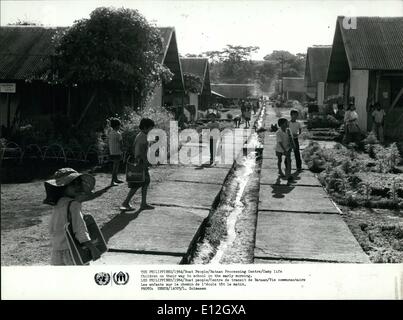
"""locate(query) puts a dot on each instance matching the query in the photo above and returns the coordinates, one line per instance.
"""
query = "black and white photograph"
(221, 135)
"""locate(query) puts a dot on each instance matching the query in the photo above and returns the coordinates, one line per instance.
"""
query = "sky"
(203, 25)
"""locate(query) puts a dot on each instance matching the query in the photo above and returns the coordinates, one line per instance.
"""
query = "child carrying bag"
(80, 254)
(135, 171)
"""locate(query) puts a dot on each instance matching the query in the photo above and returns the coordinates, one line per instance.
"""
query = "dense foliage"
(355, 178)
(113, 49)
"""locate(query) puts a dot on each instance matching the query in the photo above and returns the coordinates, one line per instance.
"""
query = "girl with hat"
(66, 192)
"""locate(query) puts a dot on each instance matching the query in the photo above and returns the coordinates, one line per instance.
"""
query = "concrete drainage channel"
(227, 235)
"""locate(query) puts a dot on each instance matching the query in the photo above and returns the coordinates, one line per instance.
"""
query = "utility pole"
(282, 79)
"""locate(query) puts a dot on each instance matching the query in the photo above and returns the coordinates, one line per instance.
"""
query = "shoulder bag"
(80, 254)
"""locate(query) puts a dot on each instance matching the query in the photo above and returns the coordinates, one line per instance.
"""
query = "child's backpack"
(80, 254)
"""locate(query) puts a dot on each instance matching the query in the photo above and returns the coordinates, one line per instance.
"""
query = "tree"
(193, 83)
(114, 50)
(25, 22)
(286, 63)
(233, 61)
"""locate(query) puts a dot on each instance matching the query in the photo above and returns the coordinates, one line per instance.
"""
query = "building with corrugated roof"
(24, 53)
(27, 51)
(172, 93)
(199, 95)
(236, 90)
(292, 87)
(367, 57)
(317, 63)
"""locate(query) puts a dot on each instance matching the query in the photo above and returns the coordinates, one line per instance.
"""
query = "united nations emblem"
(102, 278)
(121, 278)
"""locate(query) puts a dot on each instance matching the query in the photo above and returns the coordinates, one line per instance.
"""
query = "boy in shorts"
(283, 148)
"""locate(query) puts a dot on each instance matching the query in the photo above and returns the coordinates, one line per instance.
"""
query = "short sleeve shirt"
(114, 141)
(283, 138)
(294, 128)
(140, 146)
(59, 219)
(378, 115)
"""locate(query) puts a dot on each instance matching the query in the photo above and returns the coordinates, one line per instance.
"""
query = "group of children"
(68, 189)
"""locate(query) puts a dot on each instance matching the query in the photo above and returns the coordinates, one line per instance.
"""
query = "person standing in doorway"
(378, 116)
(296, 129)
(351, 127)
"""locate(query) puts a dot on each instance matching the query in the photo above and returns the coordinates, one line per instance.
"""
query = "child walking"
(66, 191)
(140, 149)
(295, 129)
(115, 149)
(283, 148)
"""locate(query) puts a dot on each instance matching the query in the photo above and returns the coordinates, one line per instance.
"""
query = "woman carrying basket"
(140, 149)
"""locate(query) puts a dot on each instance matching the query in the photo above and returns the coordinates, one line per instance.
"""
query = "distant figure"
(255, 107)
(378, 116)
(295, 128)
(213, 124)
(340, 112)
(351, 128)
(247, 116)
(237, 120)
(283, 148)
(140, 149)
(115, 149)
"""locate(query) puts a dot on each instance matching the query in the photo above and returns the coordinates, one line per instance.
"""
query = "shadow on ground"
(118, 223)
(279, 191)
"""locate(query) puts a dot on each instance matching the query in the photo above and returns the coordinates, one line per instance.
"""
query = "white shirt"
(294, 128)
(378, 115)
(283, 138)
(350, 116)
(59, 219)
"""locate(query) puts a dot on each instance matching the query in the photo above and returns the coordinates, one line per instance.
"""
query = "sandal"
(126, 208)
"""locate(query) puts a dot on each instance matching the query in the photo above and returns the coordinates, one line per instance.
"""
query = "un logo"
(121, 278)
(102, 278)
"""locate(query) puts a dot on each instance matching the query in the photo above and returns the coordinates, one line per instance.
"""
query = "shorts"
(115, 157)
(280, 154)
(146, 182)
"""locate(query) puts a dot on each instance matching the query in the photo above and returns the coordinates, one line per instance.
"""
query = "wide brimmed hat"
(62, 178)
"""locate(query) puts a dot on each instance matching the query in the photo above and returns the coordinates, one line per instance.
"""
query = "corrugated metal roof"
(235, 91)
(217, 94)
(376, 43)
(293, 84)
(317, 63)
(196, 66)
(166, 35)
(24, 51)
